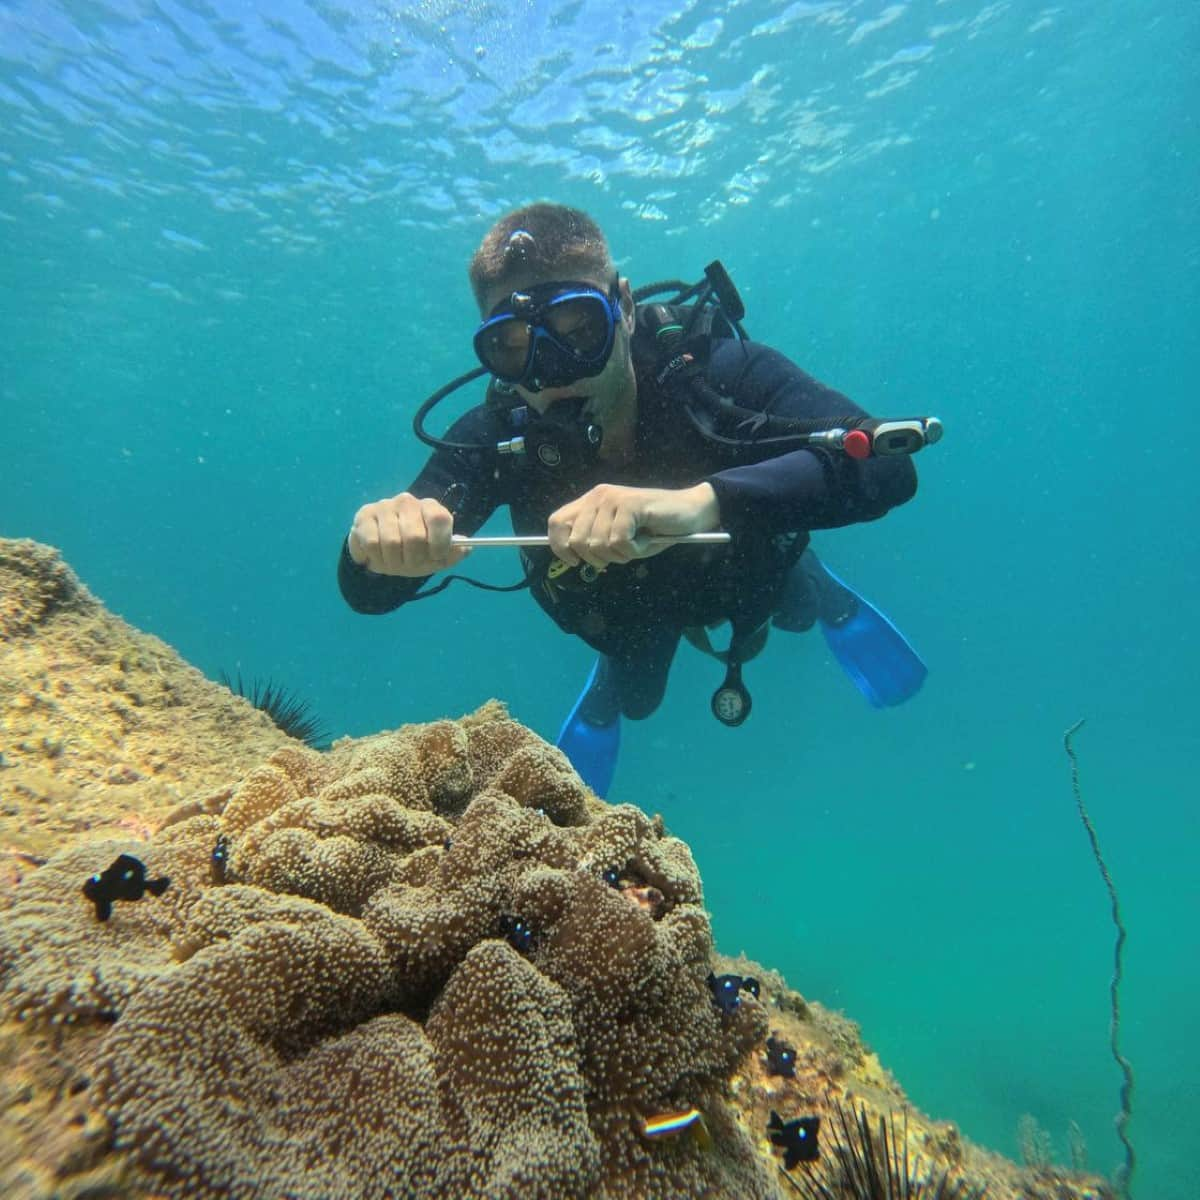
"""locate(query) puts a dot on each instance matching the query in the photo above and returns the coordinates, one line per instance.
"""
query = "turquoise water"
(233, 261)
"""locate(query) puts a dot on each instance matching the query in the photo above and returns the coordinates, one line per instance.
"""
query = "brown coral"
(343, 1015)
(510, 1079)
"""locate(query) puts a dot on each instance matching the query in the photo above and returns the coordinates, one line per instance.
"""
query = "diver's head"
(557, 317)
(539, 241)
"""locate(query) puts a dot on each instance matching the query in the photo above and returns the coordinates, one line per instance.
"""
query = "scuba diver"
(671, 468)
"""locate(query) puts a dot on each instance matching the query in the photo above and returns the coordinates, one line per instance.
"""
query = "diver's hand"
(404, 536)
(615, 524)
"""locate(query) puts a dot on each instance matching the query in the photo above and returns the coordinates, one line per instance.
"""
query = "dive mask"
(551, 335)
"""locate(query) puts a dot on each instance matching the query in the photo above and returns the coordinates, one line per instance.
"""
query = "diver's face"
(609, 395)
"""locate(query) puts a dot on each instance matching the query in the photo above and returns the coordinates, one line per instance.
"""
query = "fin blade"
(591, 748)
(877, 657)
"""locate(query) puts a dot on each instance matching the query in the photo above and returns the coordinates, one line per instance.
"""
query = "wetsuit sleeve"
(463, 482)
(798, 489)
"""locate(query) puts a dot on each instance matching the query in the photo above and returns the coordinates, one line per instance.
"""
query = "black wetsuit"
(635, 613)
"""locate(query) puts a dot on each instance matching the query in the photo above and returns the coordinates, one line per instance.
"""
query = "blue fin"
(591, 748)
(873, 652)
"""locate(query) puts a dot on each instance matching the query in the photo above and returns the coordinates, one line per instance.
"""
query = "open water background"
(232, 261)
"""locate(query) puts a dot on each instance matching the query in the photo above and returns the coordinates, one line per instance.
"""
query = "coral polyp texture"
(426, 963)
(341, 1013)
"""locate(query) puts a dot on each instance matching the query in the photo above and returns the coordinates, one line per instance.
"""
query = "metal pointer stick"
(717, 538)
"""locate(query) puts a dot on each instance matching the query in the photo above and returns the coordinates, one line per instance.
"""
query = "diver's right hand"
(404, 536)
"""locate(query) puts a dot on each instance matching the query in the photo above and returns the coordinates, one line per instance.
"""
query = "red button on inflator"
(856, 444)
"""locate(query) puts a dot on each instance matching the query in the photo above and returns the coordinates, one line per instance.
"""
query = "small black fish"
(124, 880)
(726, 990)
(519, 933)
(781, 1057)
(612, 877)
(797, 1139)
(220, 859)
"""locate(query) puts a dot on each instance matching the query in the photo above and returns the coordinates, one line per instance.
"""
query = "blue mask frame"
(550, 360)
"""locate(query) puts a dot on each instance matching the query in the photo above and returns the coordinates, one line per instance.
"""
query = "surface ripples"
(440, 105)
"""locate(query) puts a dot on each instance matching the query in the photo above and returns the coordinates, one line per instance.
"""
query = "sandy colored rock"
(102, 728)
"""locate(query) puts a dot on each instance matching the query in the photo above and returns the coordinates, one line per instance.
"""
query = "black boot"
(809, 593)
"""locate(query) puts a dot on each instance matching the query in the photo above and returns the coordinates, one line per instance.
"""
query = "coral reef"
(343, 1006)
(837, 1077)
(427, 963)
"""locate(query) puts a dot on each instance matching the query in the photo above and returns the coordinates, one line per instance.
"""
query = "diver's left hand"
(615, 524)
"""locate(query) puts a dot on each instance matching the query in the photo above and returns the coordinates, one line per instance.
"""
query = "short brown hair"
(541, 238)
